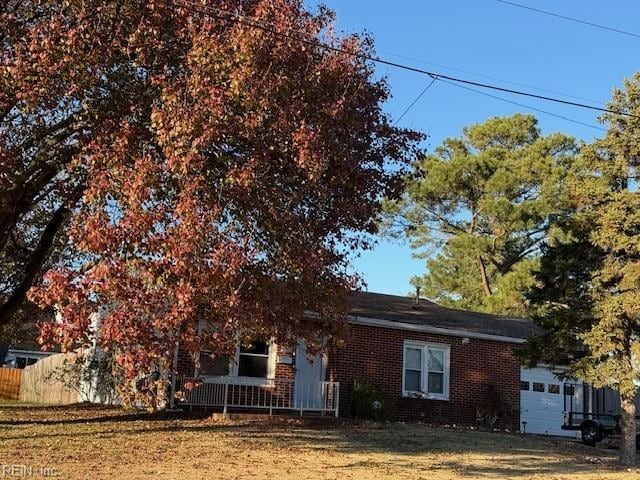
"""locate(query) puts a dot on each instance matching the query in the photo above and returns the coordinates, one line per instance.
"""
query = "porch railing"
(263, 394)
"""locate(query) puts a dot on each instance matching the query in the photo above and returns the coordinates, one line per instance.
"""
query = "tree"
(588, 297)
(234, 184)
(486, 202)
(606, 193)
(561, 301)
(68, 76)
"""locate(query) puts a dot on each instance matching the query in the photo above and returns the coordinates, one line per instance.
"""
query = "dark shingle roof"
(404, 310)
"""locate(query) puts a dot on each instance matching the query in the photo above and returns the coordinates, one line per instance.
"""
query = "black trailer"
(599, 415)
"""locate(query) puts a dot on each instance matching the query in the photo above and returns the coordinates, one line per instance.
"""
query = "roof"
(404, 310)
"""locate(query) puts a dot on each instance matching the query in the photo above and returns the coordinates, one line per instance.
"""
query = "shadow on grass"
(411, 447)
(104, 414)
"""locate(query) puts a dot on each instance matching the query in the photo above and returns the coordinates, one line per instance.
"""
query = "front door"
(309, 389)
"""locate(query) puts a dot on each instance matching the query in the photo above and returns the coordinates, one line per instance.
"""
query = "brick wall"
(376, 354)
(186, 365)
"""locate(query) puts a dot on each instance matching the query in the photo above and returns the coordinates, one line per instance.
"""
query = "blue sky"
(496, 40)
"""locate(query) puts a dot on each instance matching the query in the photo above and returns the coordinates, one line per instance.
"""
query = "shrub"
(492, 408)
(367, 402)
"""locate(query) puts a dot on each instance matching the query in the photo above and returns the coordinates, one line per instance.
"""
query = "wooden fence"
(10, 383)
(38, 386)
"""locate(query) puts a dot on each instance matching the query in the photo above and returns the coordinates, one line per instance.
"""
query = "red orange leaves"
(239, 177)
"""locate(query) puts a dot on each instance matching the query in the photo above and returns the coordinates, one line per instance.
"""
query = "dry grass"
(96, 442)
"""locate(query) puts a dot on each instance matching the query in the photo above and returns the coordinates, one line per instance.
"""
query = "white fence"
(265, 394)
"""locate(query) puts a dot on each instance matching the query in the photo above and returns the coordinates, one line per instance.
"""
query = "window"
(569, 389)
(413, 369)
(22, 362)
(435, 378)
(538, 387)
(524, 385)
(253, 360)
(256, 360)
(553, 388)
(212, 366)
(426, 370)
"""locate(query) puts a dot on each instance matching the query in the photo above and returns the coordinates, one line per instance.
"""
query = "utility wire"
(231, 16)
(490, 77)
(523, 105)
(424, 90)
(571, 19)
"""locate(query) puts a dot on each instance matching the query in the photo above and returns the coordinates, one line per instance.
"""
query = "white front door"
(542, 402)
(309, 392)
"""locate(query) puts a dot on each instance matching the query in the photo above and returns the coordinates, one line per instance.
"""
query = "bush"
(367, 402)
(492, 409)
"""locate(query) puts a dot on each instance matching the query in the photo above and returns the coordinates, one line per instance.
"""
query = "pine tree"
(606, 192)
(485, 204)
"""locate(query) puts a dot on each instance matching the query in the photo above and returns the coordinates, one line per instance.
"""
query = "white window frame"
(234, 364)
(271, 362)
(424, 373)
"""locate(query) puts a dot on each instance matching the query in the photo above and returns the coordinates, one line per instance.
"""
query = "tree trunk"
(483, 276)
(628, 430)
(34, 266)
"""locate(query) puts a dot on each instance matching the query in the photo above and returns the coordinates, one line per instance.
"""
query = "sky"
(477, 39)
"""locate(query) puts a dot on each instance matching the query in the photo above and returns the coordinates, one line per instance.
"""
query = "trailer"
(599, 415)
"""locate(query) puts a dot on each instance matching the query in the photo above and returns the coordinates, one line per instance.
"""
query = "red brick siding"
(376, 354)
(186, 365)
(284, 370)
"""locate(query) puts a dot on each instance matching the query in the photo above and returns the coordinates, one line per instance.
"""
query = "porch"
(277, 395)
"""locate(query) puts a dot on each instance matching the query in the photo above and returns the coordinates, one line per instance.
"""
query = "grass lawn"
(98, 442)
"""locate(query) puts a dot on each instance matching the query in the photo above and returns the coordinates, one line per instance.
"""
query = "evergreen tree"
(561, 301)
(484, 203)
(588, 293)
(606, 193)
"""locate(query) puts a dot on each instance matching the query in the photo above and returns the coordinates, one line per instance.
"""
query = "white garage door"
(542, 402)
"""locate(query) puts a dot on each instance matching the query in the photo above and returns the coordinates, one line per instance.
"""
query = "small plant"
(367, 402)
(91, 375)
(492, 408)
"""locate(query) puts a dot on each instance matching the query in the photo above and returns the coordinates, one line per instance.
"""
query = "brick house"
(434, 364)
(428, 362)
(431, 363)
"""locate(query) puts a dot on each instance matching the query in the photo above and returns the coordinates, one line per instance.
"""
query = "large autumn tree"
(226, 166)
(480, 207)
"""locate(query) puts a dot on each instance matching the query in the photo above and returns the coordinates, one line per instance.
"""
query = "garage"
(542, 401)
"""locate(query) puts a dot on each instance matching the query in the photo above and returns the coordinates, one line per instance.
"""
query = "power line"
(424, 90)
(231, 16)
(571, 19)
(524, 106)
(490, 77)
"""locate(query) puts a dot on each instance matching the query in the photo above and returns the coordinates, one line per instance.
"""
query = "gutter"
(376, 322)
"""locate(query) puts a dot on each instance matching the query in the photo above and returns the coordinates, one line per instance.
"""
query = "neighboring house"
(431, 363)
(22, 349)
(23, 355)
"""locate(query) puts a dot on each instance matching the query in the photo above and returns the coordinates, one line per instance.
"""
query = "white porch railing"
(264, 394)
